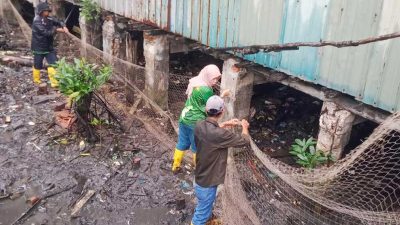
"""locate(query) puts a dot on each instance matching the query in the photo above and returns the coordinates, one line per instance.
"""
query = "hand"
(225, 93)
(230, 123)
(66, 30)
(245, 127)
(245, 124)
(60, 30)
(234, 122)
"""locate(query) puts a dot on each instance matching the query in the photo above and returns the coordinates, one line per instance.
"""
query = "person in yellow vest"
(44, 28)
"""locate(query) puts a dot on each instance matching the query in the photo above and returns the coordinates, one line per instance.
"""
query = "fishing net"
(362, 188)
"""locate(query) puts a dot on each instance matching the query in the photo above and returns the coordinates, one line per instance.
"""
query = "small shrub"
(307, 155)
(80, 79)
(90, 10)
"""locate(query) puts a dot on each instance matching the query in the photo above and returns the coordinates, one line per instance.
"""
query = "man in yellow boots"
(44, 28)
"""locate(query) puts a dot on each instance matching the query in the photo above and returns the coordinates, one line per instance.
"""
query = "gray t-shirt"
(212, 143)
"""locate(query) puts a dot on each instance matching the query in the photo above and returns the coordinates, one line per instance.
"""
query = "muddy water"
(39, 159)
(33, 156)
(12, 210)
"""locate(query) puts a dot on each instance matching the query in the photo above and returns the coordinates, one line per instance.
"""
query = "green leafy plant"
(79, 79)
(90, 10)
(307, 155)
(98, 122)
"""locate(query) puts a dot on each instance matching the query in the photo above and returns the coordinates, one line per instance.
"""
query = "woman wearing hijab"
(199, 91)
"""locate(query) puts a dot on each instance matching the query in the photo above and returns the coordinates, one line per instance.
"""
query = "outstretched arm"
(61, 27)
(229, 139)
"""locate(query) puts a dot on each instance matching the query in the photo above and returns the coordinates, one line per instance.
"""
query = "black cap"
(43, 6)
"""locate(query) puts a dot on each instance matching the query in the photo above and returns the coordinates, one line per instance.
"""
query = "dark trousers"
(51, 59)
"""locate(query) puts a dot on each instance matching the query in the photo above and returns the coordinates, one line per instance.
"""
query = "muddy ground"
(40, 159)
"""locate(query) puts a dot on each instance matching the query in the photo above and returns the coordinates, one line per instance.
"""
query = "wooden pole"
(295, 45)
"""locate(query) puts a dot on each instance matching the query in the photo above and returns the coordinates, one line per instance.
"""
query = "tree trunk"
(83, 111)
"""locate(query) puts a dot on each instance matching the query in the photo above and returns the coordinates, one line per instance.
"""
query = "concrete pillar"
(240, 83)
(335, 128)
(118, 42)
(156, 53)
(90, 34)
(111, 40)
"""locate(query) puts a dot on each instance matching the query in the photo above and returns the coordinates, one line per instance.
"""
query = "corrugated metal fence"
(370, 73)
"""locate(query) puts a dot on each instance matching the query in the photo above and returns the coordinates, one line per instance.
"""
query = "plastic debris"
(271, 175)
(33, 200)
(63, 141)
(82, 145)
(136, 163)
(185, 185)
(42, 209)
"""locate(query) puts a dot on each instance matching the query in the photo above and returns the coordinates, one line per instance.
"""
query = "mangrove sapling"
(78, 81)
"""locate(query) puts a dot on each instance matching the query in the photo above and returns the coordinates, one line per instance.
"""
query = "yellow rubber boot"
(214, 222)
(36, 76)
(178, 157)
(194, 160)
(52, 73)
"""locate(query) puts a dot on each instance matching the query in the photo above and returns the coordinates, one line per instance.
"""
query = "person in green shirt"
(199, 91)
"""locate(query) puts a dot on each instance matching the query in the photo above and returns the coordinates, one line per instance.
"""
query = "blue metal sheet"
(387, 96)
(179, 17)
(164, 14)
(230, 24)
(235, 17)
(305, 23)
(205, 9)
(187, 18)
(172, 17)
(195, 22)
(152, 11)
(222, 22)
(158, 7)
(213, 23)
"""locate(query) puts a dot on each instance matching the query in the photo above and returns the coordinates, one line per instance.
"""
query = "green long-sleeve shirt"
(195, 105)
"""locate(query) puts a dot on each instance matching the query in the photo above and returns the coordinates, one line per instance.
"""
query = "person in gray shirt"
(212, 141)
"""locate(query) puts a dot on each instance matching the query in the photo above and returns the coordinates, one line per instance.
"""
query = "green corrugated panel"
(187, 18)
(383, 77)
(260, 22)
(195, 22)
(305, 22)
(370, 73)
(345, 69)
